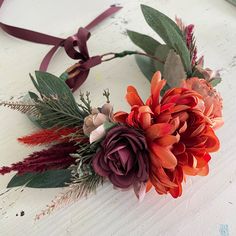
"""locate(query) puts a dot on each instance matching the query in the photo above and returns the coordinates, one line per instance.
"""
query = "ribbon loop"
(83, 37)
(78, 40)
(91, 62)
(69, 46)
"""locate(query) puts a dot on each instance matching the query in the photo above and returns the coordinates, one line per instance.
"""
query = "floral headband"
(156, 144)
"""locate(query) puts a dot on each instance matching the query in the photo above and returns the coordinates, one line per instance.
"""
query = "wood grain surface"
(208, 205)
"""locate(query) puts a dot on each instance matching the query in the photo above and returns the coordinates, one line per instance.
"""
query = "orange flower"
(178, 134)
(212, 99)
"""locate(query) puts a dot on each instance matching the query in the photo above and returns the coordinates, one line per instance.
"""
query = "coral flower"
(212, 99)
(179, 135)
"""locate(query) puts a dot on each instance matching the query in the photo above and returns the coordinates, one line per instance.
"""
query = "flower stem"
(114, 55)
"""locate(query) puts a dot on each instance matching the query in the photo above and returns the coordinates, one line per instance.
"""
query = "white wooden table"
(208, 205)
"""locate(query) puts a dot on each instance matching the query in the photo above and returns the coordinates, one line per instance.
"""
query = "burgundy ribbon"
(78, 40)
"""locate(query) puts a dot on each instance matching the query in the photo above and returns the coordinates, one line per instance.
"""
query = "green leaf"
(47, 179)
(149, 66)
(20, 180)
(50, 179)
(109, 125)
(164, 18)
(147, 43)
(161, 53)
(169, 32)
(33, 96)
(165, 89)
(215, 81)
(64, 76)
(197, 73)
(49, 85)
(146, 66)
(174, 71)
(57, 106)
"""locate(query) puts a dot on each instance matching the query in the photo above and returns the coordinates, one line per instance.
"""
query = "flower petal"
(176, 192)
(166, 157)
(97, 134)
(132, 97)
(140, 190)
(148, 186)
(107, 109)
(161, 189)
(190, 170)
(217, 122)
(99, 165)
(158, 130)
(99, 119)
(145, 109)
(212, 143)
(203, 161)
(168, 140)
(120, 116)
(204, 171)
(145, 120)
(156, 86)
(122, 181)
(164, 178)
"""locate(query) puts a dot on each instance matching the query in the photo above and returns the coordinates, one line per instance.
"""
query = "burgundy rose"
(123, 159)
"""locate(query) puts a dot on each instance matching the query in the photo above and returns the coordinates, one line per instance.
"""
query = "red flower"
(178, 134)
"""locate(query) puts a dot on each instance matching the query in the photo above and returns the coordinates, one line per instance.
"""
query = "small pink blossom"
(212, 99)
(97, 118)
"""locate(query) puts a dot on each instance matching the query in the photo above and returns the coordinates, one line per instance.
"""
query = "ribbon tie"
(78, 73)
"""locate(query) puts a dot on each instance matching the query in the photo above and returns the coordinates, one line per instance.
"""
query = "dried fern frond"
(84, 180)
(75, 192)
(57, 112)
(29, 109)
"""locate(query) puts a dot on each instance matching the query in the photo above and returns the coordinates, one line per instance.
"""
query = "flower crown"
(156, 144)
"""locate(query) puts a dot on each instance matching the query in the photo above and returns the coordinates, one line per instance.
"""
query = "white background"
(208, 205)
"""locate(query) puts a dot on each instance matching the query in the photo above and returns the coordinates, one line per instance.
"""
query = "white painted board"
(208, 205)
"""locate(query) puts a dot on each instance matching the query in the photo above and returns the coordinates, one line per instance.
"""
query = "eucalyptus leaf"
(50, 179)
(161, 53)
(49, 85)
(215, 81)
(146, 65)
(163, 17)
(47, 179)
(21, 180)
(33, 96)
(37, 122)
(169, 32)
(147, 43)
(174, 71)
(109, 125)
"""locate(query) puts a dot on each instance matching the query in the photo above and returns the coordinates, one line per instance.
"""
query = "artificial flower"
(212, 99)
(97, 117)
(123, 159)
(179, 135)
(187, 31)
